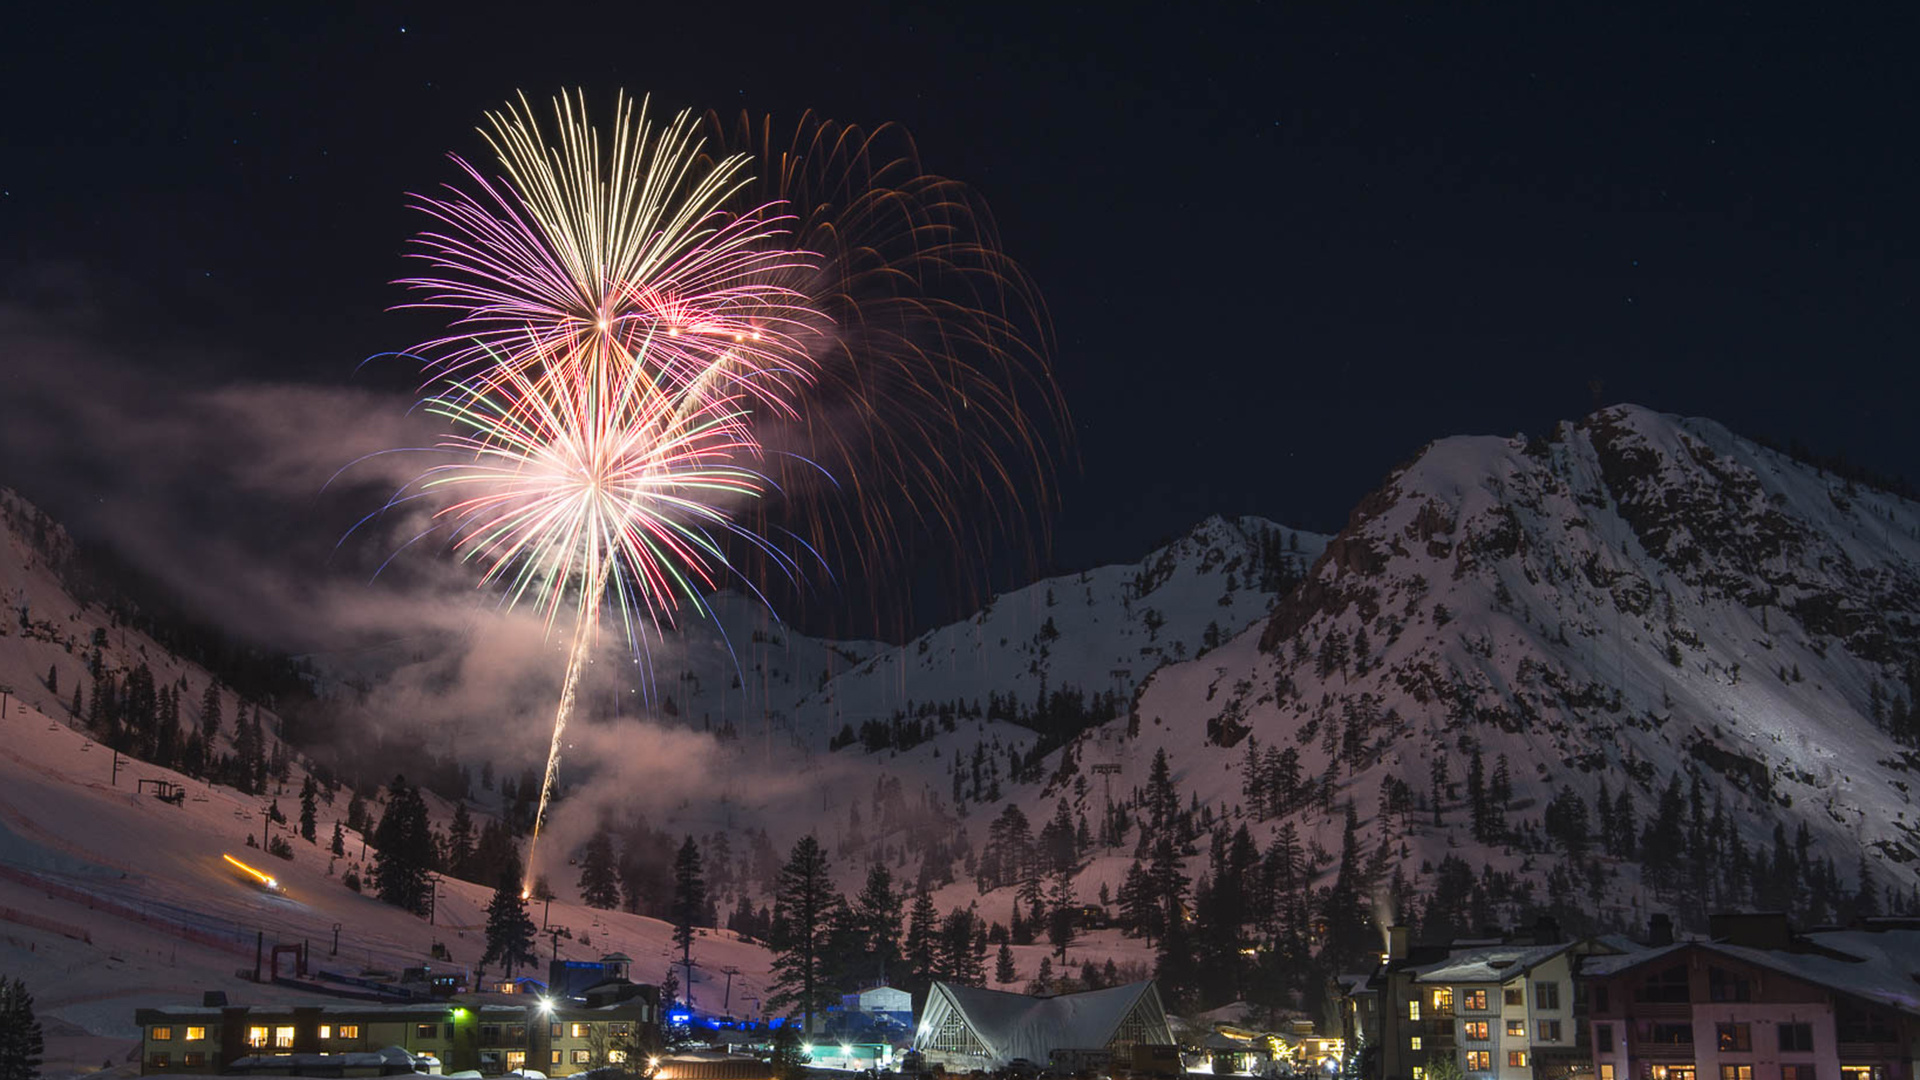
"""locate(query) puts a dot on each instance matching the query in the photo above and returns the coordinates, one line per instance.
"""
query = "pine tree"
(74, 709)
(309, 810)
(405, 839)
(922, 926)
(599, 881)
(510, 929)
(1003, 969)
(460, 841)
(1162, 799)
(1062, 914)
(22, 1042)
(210, 716)
(803, 900)
(1043, 979)
(53, 680)
(689, 900)
(877, 912)
(1477, 794)
(339, 845)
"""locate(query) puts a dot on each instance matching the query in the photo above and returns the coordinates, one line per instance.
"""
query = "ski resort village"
(1580, 756)
(961, 541)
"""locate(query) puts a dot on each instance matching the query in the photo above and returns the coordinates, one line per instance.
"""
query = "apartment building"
(1505, 1010)
(1760, 1002)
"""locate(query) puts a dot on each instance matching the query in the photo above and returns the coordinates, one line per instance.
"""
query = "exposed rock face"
(1634, 599)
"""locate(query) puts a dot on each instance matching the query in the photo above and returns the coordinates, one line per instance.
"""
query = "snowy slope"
(1103, 630)
(1637, 596)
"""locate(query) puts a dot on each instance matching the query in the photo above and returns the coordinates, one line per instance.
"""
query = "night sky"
(1283, 245)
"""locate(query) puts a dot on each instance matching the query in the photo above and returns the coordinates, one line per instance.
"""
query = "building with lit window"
(1760, 1002)
(496, 1036)
(1505, 1010)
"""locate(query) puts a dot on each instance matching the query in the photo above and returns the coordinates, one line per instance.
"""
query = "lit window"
(1477, 1001)
(1443, 1000)
(349, 1031)
(1606, 1070)
(1476, 1030)
(1549, 1030)
(1517, 1059)
(1413, 1009)
(1419, 1073)
(425, 1031)
(193, 1058)
(1734, 1037)
(1516, 1029)
(556, 1053)
(556, 1034)
(256, 1036)
(1413, 1043)
(1479, 1060)
(620, 1030)
(619, 1057)
(159, 1060)
(516, 1060)
(579, 1031)
(581, 1057)
(283, 1037)
(1863, 1072)
(195, 1034)
(516, 1033)
(1736, 1072)
(1546, 995)
(162, 1034)
(326, 1031)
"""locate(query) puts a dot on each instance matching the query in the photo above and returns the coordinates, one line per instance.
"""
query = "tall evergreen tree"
(405, 839)
(1003, 969)
(510, 929)
(309, 810)
(689, 900)
(22, 1043)
(877, 913)
(803, 899)
(210, 716)
(460, 841)
(599, 880)
(923, 924)
(339, 845)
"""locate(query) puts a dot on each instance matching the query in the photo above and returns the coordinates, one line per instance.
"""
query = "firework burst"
(660, 356)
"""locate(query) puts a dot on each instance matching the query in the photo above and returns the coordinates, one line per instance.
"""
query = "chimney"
(1399, 942)
(1660, 930)
(1755, 930)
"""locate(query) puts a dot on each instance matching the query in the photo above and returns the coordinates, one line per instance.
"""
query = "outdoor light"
(546, 1005)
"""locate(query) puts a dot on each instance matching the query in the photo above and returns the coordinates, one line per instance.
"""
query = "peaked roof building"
(966, 1027)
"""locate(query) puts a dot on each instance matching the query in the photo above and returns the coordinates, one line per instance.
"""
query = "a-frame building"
(966, 1027)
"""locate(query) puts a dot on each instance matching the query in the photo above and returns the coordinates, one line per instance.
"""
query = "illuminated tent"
(965, 1027)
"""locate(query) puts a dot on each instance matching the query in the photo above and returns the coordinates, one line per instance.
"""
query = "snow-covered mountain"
(1633, 601)
(1101, 631)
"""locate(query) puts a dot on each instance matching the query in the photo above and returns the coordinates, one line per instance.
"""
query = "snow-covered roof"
(1880, 966)
(1491, 964)
(1017, 1026)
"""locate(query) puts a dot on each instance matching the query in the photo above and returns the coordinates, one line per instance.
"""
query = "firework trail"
(639, 316)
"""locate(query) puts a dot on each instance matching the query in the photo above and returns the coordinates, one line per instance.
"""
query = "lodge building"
(494, 1037)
